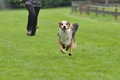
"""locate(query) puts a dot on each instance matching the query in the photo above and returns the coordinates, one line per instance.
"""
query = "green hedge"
(46, 3)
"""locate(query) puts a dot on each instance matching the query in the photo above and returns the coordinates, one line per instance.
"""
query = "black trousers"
(32, 18)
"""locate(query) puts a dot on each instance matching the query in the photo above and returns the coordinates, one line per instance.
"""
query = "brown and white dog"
(66, 33)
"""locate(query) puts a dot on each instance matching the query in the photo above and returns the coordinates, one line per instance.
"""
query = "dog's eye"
(61, 24)
(66, 23)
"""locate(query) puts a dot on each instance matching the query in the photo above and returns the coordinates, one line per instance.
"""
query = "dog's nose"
(64, 27)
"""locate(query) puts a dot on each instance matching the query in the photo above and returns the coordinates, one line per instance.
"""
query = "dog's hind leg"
(61, 47)
(71, 47)
(70, 53)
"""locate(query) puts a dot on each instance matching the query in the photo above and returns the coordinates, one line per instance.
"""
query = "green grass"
(22, 57)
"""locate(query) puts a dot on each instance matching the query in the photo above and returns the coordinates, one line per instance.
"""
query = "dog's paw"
(70, 54)
(63, 51)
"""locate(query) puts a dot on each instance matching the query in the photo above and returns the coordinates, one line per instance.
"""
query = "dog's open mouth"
(64, 29)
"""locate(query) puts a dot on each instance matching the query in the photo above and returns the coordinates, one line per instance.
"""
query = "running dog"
(66, 34)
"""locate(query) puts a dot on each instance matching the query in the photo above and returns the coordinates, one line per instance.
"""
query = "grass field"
(22, 57)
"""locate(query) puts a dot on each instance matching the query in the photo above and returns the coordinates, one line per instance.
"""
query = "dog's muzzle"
(64, 28)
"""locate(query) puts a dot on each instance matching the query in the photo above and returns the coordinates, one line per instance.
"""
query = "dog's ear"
(59, 22)
(69, 24)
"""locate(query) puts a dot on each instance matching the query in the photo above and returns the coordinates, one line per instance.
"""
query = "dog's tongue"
(64, 29)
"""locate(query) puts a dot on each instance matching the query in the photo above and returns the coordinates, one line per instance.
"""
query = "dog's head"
(65, 25)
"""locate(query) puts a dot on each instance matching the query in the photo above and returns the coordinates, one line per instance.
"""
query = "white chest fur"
(65, 36)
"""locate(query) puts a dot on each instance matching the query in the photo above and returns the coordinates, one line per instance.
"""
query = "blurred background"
(16, 4)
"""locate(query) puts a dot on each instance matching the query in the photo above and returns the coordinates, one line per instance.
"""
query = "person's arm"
(20, 0)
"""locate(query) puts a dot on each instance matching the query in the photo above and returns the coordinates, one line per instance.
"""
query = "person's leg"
(31, 17)
(37, 9)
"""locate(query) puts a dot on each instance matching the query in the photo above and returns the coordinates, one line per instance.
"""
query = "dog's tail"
(75, 26)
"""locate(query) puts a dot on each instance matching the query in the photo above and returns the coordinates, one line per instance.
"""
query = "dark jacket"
(36, 3)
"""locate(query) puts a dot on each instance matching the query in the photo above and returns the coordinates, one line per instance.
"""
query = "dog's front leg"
(61, 47)
(67, 48)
